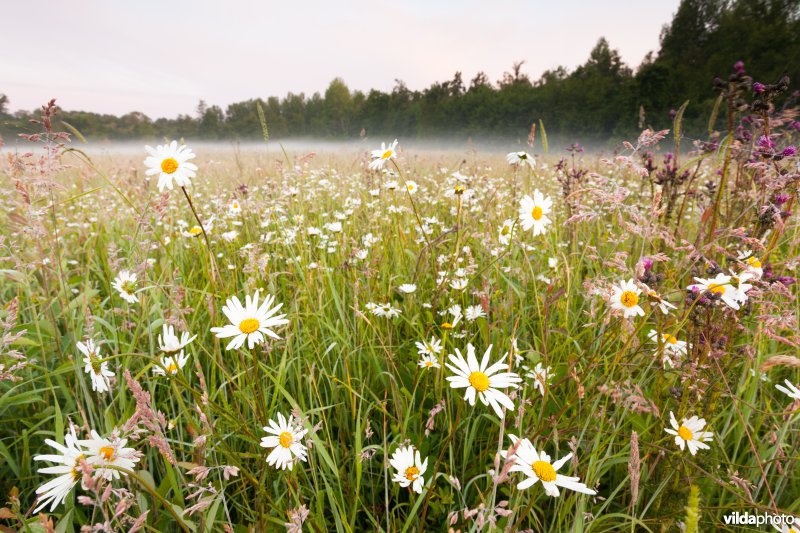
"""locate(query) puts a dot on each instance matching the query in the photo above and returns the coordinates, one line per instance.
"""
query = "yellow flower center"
(629, 299)
(544, 471)
(95, 363)
(172, 368)
(428, 364)
(671, 339)
(195, 231)
(536, 213)
(410, 187)
(129, 287)
(505, 231)
(479, 381)
(685, 433)
(754, 262)
(107, 452)
(387, 154)
(169, 165)
(286, 439)
(248, 325)
(459, 189)
(412, 473)
(447, 325)
(716, 288)
(76, 468)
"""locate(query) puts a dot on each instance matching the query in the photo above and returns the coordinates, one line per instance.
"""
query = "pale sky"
(162, 57)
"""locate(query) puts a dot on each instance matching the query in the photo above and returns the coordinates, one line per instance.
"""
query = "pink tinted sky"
(162, 57)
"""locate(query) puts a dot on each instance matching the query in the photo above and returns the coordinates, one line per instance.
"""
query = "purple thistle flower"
(789, 151)
(759, 87)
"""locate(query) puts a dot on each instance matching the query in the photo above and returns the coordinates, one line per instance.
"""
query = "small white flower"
(125, 284)
(409, 468)
(285, 440)
(626, 299)
(541, 377)
(68, 460)
(690, 433)
(429, 361)
(432, 347)
(380, 157)
(521, 158)
(407, 288)
(102, 452)
(482, 380)
(474, 312)
(537, 466)
(250, 322)
(533, 212)
(171, 163)
(95, 366)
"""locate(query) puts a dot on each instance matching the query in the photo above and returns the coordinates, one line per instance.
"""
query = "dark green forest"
(602, 100)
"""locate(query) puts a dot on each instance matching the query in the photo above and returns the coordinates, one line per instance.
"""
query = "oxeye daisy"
(125, 284)
(505, 232)
(790, 390)
(482, 380)
(753, 263)
(407, 288)
(533, 212)
(285, 440)
(537, 466)
(380, 157)
(431, 347)
(721, 287)
(249, 322)
(95, 366)
(625, 298)
(690, 433)
(541, 377)
(409, 468)
(69, 458)
(169, 343)
(474, 312)
(102, 452)
(428, 361)
(520, 158)
(171, 364)
(411, 187)
(671, 345)
(657, 300)
(171, 163)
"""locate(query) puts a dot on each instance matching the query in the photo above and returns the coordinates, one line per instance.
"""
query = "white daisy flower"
(626, 299)
(533, 212)
(690, 433)
(68, 460)
(722, 286)
(171, 364)
(658, 301)
(102, 452)
(505, 232)
(541, 377)
(380, 157)
(285, 440)
(671, 346)
(171, 163)
(95, 366)
(474, 312)
(432, 347)
(482, 380)
(407, 288)
(249, 322)
(459, 284)
(429, 361)
(125, 284)
(753, 263)
(537, 466)
(169, 343)
(409, 468)
(411, 187)
(521, 158)
(790, 390)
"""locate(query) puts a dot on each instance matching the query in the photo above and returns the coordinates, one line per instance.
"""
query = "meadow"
(390, 340)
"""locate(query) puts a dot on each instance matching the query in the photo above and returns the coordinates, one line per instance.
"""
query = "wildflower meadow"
(392, 339)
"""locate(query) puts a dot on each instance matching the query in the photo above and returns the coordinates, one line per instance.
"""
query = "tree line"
(601, 100)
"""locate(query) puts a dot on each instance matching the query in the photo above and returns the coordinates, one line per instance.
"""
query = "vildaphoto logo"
(781, 522)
